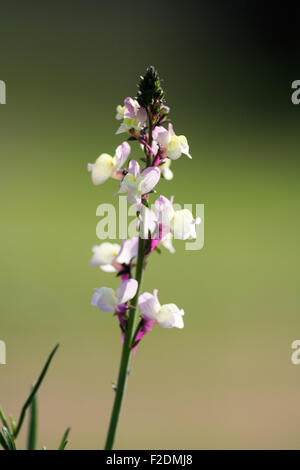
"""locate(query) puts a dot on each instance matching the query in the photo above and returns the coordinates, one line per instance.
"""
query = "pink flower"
(167, 315)
(137, 183)
(133, 115)
(174, 144)
(112, 257)
(109, 300)
(107, 166)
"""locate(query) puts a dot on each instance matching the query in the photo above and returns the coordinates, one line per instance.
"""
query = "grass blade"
(3, 442)
(9, 439)
(12, 424)
(33, 423)
(34, 391)
(64, 440)
(3, 419)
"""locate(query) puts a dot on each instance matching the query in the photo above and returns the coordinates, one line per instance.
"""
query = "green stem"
(126, 354)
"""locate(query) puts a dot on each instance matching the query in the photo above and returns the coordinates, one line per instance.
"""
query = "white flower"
(107, 300)
(180, 222)
(174, 144)
(137, 183)
(149, 223)
(104, 254)
(107, 166)
(133, 115)
(165, 169)
(167, 316)
(128, 251)
(120, 112)
(111, 256)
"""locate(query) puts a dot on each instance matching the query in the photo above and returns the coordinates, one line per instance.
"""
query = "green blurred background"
(226, 380)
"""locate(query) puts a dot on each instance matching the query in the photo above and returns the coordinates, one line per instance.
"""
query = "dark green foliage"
(151, 95)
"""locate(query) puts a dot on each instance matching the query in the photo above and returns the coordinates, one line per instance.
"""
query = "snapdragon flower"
(133, 115)
(104, 255)
(112, 257)
(109, 300)
(166, 316)
(174, 144)
(143, 119)
(137, 183)
(149, 224)
(107, 166)
(180, 223)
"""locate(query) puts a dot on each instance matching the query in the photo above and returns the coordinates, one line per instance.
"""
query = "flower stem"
(126, 353)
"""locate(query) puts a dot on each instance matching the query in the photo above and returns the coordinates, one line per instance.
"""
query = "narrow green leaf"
(34, 391)
(64, 440)
(12, 423)
(33, 423)
(9, 439)
(3, 419)
(3, 442)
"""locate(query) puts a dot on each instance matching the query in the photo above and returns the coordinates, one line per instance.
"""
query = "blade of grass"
(64, 440)
(9, 439)
(3, 419)
(33, 423)
(3, 442)
(12, 424)
(34, 391)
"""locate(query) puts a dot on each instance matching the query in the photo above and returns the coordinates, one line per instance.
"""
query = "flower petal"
(174, 148)
(164, 211)
(184, 145)
(148, 223)
(128, 251)
(169, 316)
(126, 290)
(161, 135)
(102, 168)
(165, 169)
(141, 115)
(183, 225)
(167, 242)
(150, 178)
(134, 168)
(131, 107)
(104, 253)
(108, 268)
(122, 152)
(149, 305)
(170, 129)
(105, 299)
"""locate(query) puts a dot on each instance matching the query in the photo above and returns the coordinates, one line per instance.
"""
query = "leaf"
(64, 440)
(34, 391)
(3, 419)
(32, 432)
(3, 442)
(12, 423)
(9, 438)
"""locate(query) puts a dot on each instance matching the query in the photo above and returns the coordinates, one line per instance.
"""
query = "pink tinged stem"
(143, 142)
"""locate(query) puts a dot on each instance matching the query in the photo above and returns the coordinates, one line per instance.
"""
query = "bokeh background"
(226, 381)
